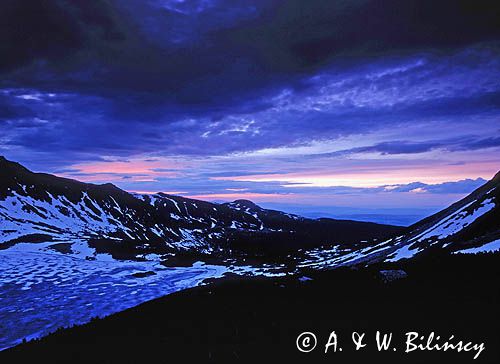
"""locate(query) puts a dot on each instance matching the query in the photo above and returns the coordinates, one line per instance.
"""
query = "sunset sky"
(342, 107)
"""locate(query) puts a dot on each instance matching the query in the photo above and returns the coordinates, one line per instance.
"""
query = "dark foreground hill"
(258, 320)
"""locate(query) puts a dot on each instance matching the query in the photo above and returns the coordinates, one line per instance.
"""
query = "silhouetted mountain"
(42, 207)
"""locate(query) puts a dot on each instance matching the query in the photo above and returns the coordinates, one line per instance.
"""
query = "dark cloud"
(216, 53)
(300, 34)
(452, 106)
(492, 142)
(163, 170)
(86, 79)
(400, 147)
(52, 30)
(410, 147)
(13, 111)
(239, 173)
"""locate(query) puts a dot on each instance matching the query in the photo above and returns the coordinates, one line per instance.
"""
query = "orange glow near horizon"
(241, 196)
(134, 166)
(137, 170)
(374, 178)
(175, 193)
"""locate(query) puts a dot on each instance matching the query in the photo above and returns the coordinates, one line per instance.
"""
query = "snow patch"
(486, 248)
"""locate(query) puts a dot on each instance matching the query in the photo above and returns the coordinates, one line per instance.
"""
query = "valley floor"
(258, 319)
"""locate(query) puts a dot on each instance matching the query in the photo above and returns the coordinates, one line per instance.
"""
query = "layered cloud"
(271, 99)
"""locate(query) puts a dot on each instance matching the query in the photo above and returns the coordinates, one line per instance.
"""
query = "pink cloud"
(368, 175)
(135, 170)
(246, 196)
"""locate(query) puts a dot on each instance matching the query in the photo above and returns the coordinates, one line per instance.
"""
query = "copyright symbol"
(306, 342)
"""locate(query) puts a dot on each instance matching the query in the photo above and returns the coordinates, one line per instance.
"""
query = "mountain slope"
(59, 208)
(466, 226)
(42, 207)
(470, 222)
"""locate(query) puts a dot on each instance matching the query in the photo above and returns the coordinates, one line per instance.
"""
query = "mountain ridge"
(38, 206)
(62, 209)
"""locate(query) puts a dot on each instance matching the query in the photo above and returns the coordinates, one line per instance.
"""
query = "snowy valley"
(70, 251)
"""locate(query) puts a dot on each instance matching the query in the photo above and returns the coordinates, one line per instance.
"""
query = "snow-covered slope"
(471, 225)
(471, 222)
(36, 207)
(41, 207)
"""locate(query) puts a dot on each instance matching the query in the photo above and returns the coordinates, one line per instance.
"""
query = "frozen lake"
(42, 290)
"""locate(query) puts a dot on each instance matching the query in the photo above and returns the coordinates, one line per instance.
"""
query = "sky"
(345, 108)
